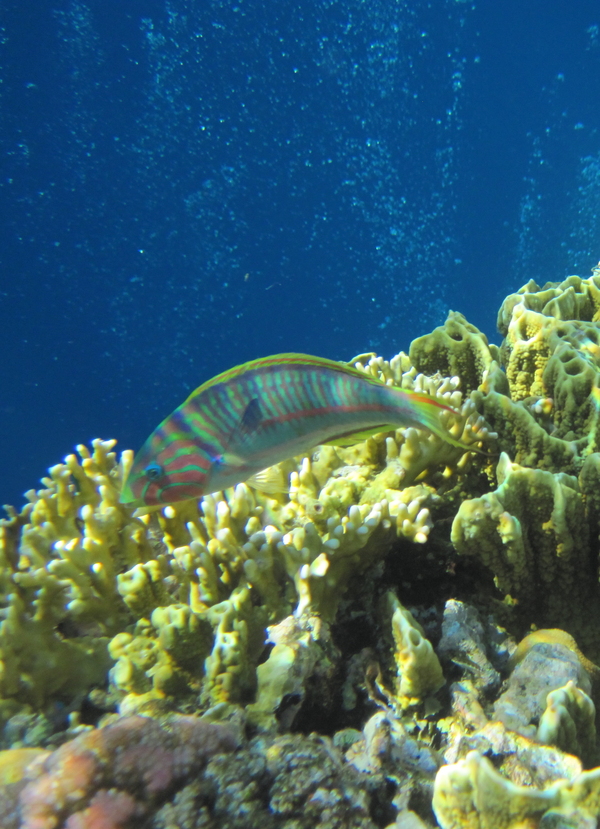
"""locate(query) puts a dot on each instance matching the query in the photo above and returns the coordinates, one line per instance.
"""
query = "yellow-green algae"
(176, 609)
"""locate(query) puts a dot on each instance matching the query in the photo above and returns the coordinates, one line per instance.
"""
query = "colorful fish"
(263, 412)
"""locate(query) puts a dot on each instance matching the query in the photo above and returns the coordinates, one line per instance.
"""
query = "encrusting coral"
(287, 611)
(549, 415)
(456, 349)
(532, 533)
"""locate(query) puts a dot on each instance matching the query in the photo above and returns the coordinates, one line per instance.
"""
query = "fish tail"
(426, 411)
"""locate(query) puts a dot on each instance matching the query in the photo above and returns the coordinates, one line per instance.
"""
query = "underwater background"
(190, 185)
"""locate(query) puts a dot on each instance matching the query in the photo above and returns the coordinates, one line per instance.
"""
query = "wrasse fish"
(262, 412)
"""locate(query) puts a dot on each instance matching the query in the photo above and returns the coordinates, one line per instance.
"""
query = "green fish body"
(263, 412)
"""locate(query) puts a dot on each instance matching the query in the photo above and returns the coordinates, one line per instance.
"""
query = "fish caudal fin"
(427, 413)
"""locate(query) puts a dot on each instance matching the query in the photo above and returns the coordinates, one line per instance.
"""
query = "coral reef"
(187, 595)
(554, 636)
(374, 598)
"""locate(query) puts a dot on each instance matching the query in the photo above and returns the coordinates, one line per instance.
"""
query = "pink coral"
(108, 810)
(61, 789)
(134, 756)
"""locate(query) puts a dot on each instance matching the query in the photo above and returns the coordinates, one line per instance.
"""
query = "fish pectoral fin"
(351, 438)
(270, 480)
(252, 417)
(245, 430)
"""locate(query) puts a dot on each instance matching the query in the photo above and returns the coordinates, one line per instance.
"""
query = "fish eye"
(153, 471)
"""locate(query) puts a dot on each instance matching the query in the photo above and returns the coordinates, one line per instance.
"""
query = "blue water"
(188, 185)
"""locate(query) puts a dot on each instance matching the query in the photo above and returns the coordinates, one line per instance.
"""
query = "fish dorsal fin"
(360, 358)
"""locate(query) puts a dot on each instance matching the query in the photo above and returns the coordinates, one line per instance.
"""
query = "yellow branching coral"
(295, 553)
(75, 537)
(60, 557)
